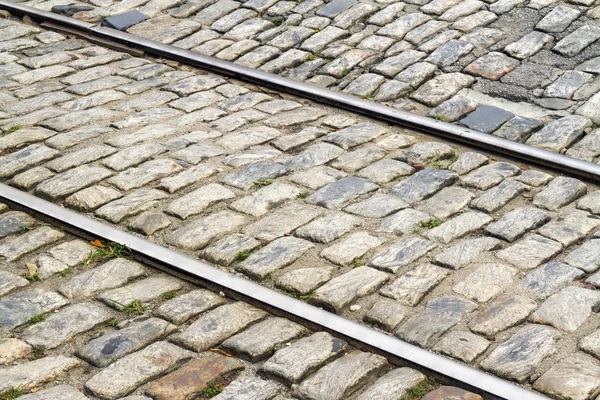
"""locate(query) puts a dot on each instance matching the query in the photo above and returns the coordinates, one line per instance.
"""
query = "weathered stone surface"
(467, 162)
(498, 196)
(530, 252)
(217, 325)
(275, 255)
(128, 373)
(519, 356)
(575, 42)
(453, 109)
(266, 198)
(30, 156)
(486, 119)
(304, 280)
(492, 66)
(568, 309)
(292, 363)
(518, 129)
(377, 206)
(10, 282)
(585, 257)
(110, 275)
(193, 377)
(486, 282)
(351, 248)
(60, 392)
(250, 388)
(558, 19)
(450, 392)
(347, 288)
(549, 278)
(573, 378)
(21, 245)
(423, 184)
(395, 384)
(489, 175)
(534, 178)
(226, 250)
(261, 340)
(35, 373)
(426, 152)
(440, 315)
(186, 306)
(441, 88)
(464, 346)
(339, 193)
(282, 222)
(528, 45)
(355, 135)
(413, 285)
(447, 202)
(386, 314)
(72, 181)
(132, 204)
(328, 228)
(560, 192)
(197, 234)
(13, 349)
(404, 222)
(342, 377)
(68, 322)
(144, 290)
(245, 177)
(92, 197)
(466, 251)
(401, 254)
(505, 312)
(197, 201)
(516, 223)
(113, 346)
(459, 226)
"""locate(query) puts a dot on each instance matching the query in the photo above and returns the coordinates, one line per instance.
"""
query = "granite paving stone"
(465, 251)
(249, 388)
(282, 222)
(401, 254)
(396, 383)
(188, 305)
(386, 314)
(568, 309)
(459, 226)
(560, 192)
(464, 346)
(144, 290)
(413, 285)
(530, 252)
(351, 248)
(549, 278)
(36, 372)
(276, 255)
(506, 311)
(328, 228)
(517, 222)
(339, 193)
(198, 233)
(21, 245)
(574, 377)
(423, 184)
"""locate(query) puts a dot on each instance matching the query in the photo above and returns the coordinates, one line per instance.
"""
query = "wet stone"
(561, 133)
(575, 42)
(377, 206)
(412, 286)
(245, 177)
(226, 250)
(466, 251)
(401, 254)
(64, 325)
(28, 242)
(519, 356)
(347, 288)
(339, 193)
(262, 339)
(486, 119)
(276, 255)
(217, 325)
(505, 312)
(17, 309)
(560, 192)
(517, 222)
(568, 309)
(573, 378)
(459, 226)
(199, 200)
(490, 175)
(14, 222)
(132, 204)
(352, 247)
(530, 252)
(193, 377)
(342, 377)
(110, 347)
(188, 305)
(423, 184)
(198, 233)
(498, 196)
(144, 290)
(128, 373)
(386, 313)
(453, 109)
(13, 349)
(328, 228)
(395, 384)
(486, 281)
(440, 315)
(35, 373)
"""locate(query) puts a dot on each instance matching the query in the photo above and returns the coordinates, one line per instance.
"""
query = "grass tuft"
(36, 319)
(11, 394)
(134, 308)
(426, 386)
(307, 296)
(169, 295)
(11, 129)
(32, 277)
(262, 182)
(212, 390)
(109, 250)
(242, 255)
(302, 195)
(432, 223)
(357, 262)
(111, 322)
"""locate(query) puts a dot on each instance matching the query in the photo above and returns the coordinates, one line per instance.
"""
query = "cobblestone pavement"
(110, 328)
(506, 67)
(482, 260)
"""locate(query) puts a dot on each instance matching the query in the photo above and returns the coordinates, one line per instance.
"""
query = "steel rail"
(487, 142)
(489, 386)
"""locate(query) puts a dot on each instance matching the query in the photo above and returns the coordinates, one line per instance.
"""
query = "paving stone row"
(477, 258)
(75, 334)
(521, 70)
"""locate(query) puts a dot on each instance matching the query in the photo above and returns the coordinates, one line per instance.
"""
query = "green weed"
(358, 263)
(242, 255)
(36, 319)
(11, 394)
(111, 322)
(307, 296)
(421, 389)
(212, 390)
(32, 277)
(134, 308)
(432, 223)
(106, 251)
(169, 295)
(302, 195)
(11, 129)
(262, 182)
